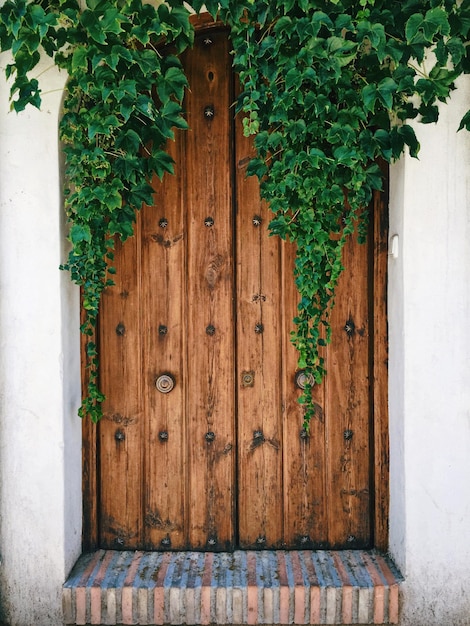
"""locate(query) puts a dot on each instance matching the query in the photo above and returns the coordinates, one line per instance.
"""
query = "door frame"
(378, 259)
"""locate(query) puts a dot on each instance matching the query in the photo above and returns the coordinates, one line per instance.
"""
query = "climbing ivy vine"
(328, 89)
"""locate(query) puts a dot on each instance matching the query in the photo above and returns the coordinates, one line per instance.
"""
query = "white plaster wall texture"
(40, 471)
(430, 368)
(429, 309)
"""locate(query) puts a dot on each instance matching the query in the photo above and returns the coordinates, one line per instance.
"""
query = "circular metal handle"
(302, 379)
(165, 383)
(248, 379)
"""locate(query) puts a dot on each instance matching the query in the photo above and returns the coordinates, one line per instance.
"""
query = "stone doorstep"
(267, 587)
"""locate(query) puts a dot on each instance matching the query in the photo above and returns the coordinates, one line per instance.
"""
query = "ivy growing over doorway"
(328, 88)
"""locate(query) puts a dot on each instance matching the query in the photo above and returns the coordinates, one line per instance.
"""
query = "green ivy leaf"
(80, 58)
(385, 92)
(414, 29)
(465, 122)
(79, 232)
(369, 97)
(172, 84)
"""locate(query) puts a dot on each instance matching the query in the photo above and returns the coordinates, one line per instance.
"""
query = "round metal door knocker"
(302, 379)
(165, 383)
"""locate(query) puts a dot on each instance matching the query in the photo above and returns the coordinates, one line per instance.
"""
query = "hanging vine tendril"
(328, 88)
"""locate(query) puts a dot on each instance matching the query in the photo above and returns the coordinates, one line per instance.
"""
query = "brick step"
(266, 587)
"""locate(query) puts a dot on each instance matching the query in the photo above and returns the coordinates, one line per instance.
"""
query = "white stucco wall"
(429, 320)
(40, 463)
(429, 313)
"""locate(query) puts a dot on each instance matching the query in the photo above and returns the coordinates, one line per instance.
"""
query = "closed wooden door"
(201, 445)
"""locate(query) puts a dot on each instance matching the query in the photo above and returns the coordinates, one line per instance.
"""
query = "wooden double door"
(201, 445)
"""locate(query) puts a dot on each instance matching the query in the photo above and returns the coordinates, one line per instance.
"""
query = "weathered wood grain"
(205, 295)
(121, 429)
(347, 404)
(259, 355)
(210, 288)
(164, 344)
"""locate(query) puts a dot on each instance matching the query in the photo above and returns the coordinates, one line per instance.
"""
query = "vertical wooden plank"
(304, 452)
(163, 331)
(210, 336)
(121, 428)
(347, 409)
(89, 457)
(380, 369)
(260, 480)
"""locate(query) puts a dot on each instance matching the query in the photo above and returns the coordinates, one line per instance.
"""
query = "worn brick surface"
(267, 587)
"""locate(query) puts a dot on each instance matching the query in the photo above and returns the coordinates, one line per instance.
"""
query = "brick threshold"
(266, 587)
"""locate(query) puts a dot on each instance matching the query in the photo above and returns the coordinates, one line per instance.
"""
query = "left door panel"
(167, 458)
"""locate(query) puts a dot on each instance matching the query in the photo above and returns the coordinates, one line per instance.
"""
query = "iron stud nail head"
(163, 435)
(349, 327)
(209, 436)
(210, 330)
(208, 222)
(303, 434)
(162, 329)
(348, 434)
(212, 541)
(261, 540)
(209, 111)
(257, 219)
(120, 329)
(207, 41)
(119, 435)
(163, 223)
(304, 539)
(257, 435)
(259, 328)
(166, 542)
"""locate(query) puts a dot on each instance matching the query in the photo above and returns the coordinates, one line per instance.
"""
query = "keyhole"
(210, 75)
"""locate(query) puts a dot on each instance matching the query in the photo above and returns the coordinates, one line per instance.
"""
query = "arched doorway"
(201, 444)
